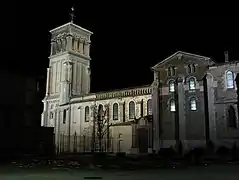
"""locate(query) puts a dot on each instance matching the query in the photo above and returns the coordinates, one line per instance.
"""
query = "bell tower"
(68, 74)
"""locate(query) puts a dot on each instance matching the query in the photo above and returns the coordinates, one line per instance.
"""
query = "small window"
(171, 71)
(231, 115)
(172, 105)
(189, 69)
(64, 116)
(115, 111)
(193, 68)
(171, 86)
(51, 115)
(131, 110)
(87, 114)
(193, 104)
(230, 79)
(149, 107)
(192, 84)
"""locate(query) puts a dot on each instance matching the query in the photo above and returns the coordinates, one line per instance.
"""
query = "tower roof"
(69, 25)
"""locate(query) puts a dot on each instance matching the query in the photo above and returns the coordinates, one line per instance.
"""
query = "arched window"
(192, 84)
(230, 79)
(193, 68)
(193, 104)
(100, 112)
(189, 68)
(64, 116)
(115, 111)
(131, 110)
(149, 107)
(172, 105)
(87, 114)
(51, 115)
(232, 117)
(171, 86)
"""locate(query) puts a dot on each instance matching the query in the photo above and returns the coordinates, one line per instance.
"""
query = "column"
(48, 81)
(180, 127)
(81, 47)
(209, 94)
(63, 41)
(89, 79)
(69, 42)
(156, 112)
(86, 48)
(75, 44)
(52, 47)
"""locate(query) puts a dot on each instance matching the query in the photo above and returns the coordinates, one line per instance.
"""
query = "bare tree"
(99, 127)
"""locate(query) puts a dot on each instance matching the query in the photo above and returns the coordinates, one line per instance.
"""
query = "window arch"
(193, 104)
(115, 111)
(230, 79)
(231, 117)
(172, 105)
(87, 114)
(149, 107)
(192, 84)
(171, 86)
(131, 110)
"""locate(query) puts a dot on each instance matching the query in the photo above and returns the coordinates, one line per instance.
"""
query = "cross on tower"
(72, 14)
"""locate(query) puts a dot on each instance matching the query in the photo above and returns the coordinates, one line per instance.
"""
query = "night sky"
(127, 40)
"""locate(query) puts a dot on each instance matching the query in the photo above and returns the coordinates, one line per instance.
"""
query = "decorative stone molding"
(124, 93)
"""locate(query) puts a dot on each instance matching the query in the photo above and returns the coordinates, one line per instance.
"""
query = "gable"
(183, 57)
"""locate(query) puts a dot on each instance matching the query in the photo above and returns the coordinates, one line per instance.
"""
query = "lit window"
(192, 84)
(230, 79)
(193, 104)
(172, 105)
(171, 86)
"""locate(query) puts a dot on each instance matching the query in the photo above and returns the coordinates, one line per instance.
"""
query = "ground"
(219, 172)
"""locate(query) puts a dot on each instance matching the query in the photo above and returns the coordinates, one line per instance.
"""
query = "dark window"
(64, 116)
(232, 117)
(131, 110)
(115, 111)
(87, 114)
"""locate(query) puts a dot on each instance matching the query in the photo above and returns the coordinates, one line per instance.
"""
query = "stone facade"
(188, 100)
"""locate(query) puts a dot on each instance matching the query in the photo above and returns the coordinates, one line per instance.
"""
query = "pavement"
(218, 172)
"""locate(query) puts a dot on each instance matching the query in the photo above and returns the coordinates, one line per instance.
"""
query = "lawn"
(218, 172)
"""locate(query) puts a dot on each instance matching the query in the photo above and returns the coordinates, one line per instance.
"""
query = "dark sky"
(127, 41)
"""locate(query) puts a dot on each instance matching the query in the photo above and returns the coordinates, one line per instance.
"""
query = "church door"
(142, 134)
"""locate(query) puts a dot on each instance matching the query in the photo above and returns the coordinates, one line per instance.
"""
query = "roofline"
(178, 52)
(70, 23)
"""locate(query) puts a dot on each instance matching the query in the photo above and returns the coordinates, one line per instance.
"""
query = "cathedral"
(192, 100)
